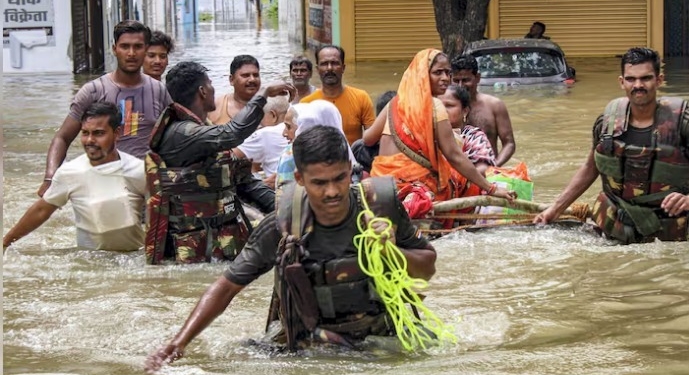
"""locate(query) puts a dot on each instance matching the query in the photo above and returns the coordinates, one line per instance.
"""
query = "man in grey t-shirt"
(140, 98)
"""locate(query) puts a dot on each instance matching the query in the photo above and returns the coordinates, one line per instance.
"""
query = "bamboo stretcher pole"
(485, 200)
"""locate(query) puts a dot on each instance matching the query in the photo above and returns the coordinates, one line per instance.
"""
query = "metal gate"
(676, 28)
(88, 51)
(80, 36)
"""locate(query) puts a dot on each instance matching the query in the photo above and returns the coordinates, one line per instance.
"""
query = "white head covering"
(321, 112)
(298, 108)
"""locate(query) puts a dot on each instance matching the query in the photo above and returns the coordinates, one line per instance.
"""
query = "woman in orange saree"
(417, 146)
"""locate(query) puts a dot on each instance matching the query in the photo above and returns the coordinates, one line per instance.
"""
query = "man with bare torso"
(487, 112)
(245, 78)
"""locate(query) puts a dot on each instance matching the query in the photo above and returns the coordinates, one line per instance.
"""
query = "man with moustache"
(641, 151)
(354, 104)
(141, 99)
(105, 186)
(488, 113)
(157, 54)
(245, 79)
(194, 180)
(333, 300)
(300, 71)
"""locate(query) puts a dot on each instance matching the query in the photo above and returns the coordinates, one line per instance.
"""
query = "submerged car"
(520, 62)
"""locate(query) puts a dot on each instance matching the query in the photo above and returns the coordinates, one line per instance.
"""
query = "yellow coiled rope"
(387, 266)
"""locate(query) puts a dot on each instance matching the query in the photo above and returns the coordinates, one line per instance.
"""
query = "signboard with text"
(25, 15)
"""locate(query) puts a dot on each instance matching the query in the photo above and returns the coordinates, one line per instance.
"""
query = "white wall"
(290, 15)
(47, 59)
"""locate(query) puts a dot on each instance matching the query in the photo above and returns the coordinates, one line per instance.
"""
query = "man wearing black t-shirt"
(324, 173)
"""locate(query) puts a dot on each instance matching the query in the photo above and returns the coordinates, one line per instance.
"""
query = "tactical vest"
(193, 213)
(637, 179)
(332, 301)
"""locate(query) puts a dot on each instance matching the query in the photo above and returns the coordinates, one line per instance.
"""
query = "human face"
(98, 139)
(300, 75)
(155, 61)
(466, 78)
(290, 125)
(640, 83)
(327, 186)
(330, 67)
(440, 75)
(130, 51)
(536, 31)
(207, 92)
(246, 81)
(455, 111)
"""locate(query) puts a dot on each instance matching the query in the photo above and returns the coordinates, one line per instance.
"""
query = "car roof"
(495, 44)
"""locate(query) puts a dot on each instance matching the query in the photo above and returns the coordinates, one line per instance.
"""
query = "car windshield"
(519, 63)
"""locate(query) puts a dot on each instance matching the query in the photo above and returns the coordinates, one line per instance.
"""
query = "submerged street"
(521, 301)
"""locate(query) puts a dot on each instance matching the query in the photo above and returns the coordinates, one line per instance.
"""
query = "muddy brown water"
(521, 301)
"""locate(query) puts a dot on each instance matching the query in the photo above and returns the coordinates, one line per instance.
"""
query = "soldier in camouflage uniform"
(194, 181)
(641, 152)
(321, 292)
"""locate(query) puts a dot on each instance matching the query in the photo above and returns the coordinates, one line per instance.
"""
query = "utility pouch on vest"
(611, 220)
(608, 165)
(302, 292)
(197, 246)
(344, 299)
(637, 167)
(674, 229)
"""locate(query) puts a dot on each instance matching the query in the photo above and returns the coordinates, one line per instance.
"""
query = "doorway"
(87, 36)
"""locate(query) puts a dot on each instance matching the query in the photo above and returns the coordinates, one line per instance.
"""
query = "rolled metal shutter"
(393, 30)
(580, 27)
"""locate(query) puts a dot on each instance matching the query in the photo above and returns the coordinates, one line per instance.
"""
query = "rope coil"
(386, 265)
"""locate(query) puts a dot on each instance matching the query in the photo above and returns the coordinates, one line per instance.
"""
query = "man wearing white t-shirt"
(106, 188)
(265, 146)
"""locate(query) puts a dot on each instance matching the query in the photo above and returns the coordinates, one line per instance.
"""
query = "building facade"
(396, 30)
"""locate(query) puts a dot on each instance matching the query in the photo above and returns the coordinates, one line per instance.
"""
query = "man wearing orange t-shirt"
(354, 104)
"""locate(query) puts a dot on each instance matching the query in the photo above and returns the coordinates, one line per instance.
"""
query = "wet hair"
(183, 81)
(101, 109)
(465, 62)
(241, 60)
(384, 99)
(320, 144)
(132, 27)
(462, 94)
(640, 55)
(159, 38)
(299, 60)
(541, 24)
(338, 48)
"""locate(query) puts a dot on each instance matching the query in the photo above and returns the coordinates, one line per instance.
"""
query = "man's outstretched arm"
(33, 218)
(213, 302)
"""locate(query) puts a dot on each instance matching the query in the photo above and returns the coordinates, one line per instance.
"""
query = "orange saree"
(412, 115)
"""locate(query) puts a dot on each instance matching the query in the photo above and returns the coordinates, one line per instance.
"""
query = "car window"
(519, 63)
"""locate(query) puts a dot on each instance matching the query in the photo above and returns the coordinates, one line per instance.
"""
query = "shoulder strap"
(408, 152)
(615, 116)
(294, 217)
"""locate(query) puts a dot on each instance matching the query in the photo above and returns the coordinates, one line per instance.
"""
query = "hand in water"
(169, 354)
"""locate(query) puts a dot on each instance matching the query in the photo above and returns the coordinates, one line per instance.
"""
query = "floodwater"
(529, 301)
